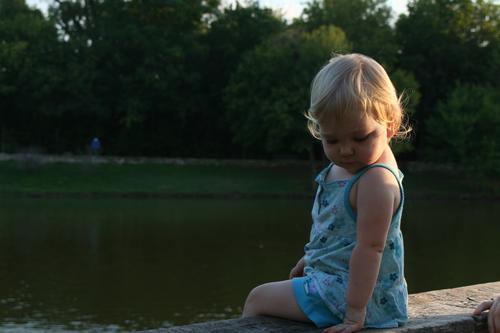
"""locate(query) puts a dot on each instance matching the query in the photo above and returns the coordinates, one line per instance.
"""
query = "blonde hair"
(354, 82)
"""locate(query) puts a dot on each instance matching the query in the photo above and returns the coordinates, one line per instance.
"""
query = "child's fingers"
(335, 329)
(344, 328)
(494, 317)
(482, 307)
(295, 272)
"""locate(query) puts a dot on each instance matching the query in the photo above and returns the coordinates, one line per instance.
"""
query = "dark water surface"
(115, 265)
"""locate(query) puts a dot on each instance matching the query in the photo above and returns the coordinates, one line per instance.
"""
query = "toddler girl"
(351, 275)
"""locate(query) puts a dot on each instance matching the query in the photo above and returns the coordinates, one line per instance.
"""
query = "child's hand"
(493, 315)
(353, 322)
(298, 270)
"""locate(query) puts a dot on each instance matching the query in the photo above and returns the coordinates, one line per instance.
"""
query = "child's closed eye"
(361, 139)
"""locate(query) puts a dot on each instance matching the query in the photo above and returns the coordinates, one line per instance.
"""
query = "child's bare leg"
(274, 299)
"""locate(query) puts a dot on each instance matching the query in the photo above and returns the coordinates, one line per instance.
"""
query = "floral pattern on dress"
(327, 256)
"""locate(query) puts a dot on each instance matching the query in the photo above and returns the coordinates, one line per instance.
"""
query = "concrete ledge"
(443, 311)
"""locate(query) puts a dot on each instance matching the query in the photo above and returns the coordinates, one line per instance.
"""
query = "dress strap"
(321, 178)
(358, 175)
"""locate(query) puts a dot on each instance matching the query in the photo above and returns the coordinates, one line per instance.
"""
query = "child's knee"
(254, 300)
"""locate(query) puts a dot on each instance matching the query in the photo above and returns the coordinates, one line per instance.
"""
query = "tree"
(142, 61)
(408, 89)
(28, 52)
(446, 41)
(464, 128)
(232, 33)
(366, 24)
(269, 92)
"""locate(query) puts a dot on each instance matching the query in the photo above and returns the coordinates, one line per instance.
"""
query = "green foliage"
(28, 47)
(444, 41)
(366, 24)
(407, 88)
(234, 32)
(191, 78)
(140, 65)
(268, 94)
(464, 128)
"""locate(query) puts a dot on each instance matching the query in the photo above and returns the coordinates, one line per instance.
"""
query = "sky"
(293, 8)
(289, 8)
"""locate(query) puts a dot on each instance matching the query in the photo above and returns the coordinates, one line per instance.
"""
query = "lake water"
(120, 265)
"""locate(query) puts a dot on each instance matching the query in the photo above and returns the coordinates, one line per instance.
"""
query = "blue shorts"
(312, 305)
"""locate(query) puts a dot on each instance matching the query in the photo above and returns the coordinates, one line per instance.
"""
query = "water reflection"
(124, 265)
(451, 243)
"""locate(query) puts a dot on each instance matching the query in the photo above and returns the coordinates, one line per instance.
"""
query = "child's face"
(354, 142)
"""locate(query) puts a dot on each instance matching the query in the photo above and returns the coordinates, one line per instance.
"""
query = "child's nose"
(346, 150)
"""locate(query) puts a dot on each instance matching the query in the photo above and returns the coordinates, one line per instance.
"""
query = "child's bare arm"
(377, 194)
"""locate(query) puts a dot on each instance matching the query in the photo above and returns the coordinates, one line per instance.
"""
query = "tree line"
(194, 79)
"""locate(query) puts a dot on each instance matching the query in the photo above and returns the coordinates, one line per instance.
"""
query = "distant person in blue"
(351, 275)
(493, 306)
(95, 146)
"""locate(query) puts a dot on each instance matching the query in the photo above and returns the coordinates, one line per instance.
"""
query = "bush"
(464, 128)
(269, 92)
(407, 87)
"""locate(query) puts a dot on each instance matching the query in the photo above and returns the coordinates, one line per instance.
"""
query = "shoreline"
(38, 158)
(33, 175)
(223, 195)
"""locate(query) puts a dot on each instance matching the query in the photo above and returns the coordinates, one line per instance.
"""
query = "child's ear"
(390, 132)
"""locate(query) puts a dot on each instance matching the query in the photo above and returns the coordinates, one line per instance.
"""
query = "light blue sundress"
(332, 240)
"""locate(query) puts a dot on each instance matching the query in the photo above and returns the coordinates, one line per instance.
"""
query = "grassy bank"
(444, 183)
(157, 179)
(151, 178)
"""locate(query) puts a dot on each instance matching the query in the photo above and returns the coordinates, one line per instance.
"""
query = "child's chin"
(351, 167)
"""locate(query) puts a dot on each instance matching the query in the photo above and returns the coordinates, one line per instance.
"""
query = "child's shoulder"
(379, 185)
(380, 175)
(384, 172)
